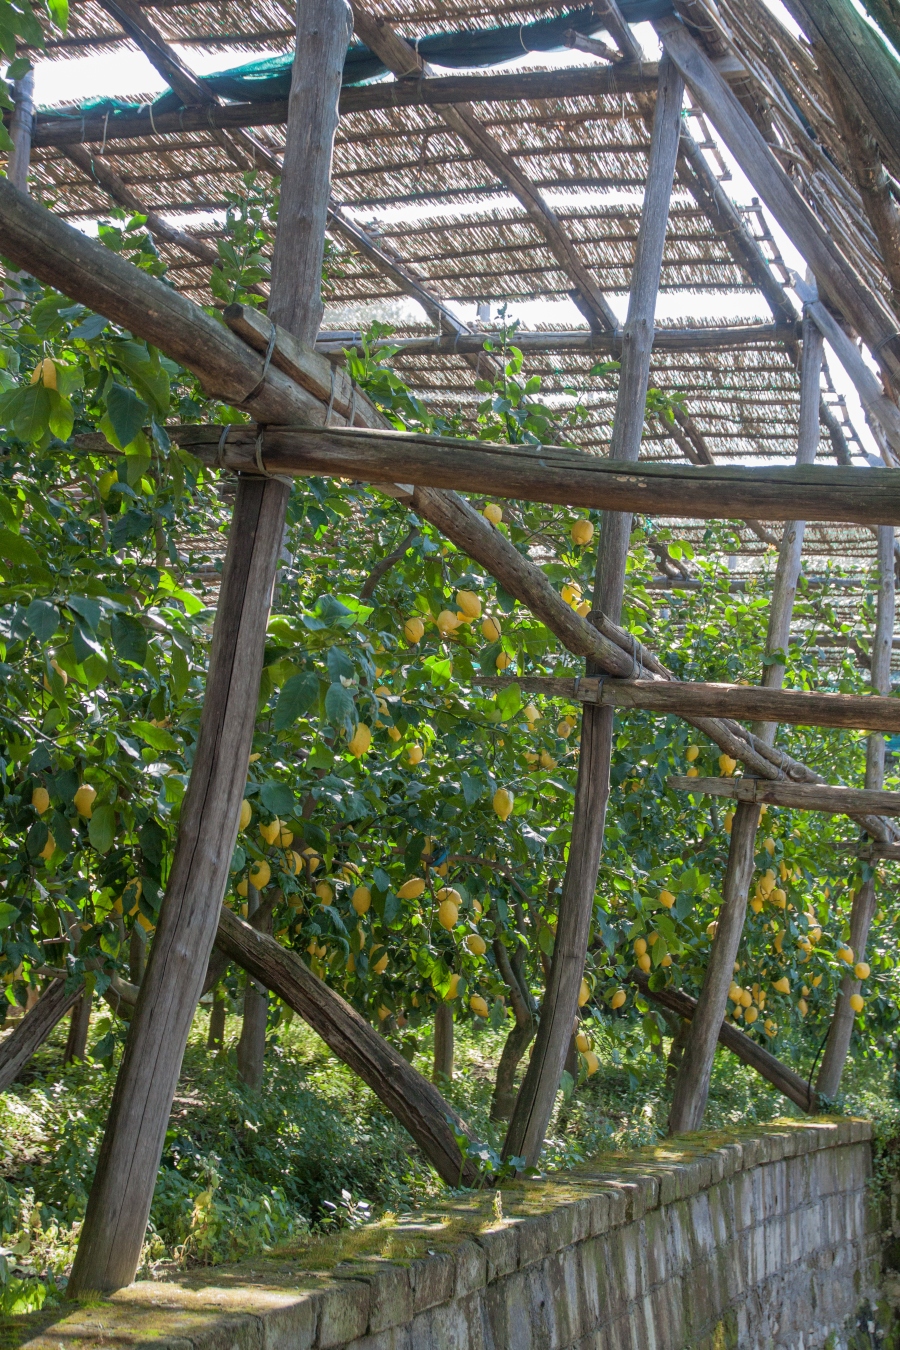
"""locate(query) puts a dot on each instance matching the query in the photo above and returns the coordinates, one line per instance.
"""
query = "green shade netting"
(262, 81)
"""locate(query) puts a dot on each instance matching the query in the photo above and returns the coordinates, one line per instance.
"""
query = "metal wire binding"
(220, 449)
(152, 123)
(258, 459)
(265, 370)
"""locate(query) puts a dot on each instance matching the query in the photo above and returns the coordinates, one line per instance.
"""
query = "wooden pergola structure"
(581, 181)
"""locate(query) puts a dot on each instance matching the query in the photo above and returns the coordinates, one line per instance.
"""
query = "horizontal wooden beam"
(578, 82)
(746, 702)
(876, 852)
(788, 1082)
(724, 338)
(832, 801)
(556, 475)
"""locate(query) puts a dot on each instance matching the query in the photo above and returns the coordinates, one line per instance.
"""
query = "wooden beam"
(21, 131)
(747, 702)
(832, 801)
(404, 60)
(836, 279)
(872, 397)
(537, 1096)
(862, 910)
(439, 91)
(567, 477)
(795, 1088)
(122, 1190)
(731, 337)
(17, 1048)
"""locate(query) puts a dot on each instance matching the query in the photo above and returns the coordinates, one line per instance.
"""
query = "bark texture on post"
(692, 1084)
(21, 127)
(251, 1050)
(862, 911)
(443, 1044)
(215, 1038)
(537, 1095)
(79, 1026)
(119, 1203)
(18, 1047)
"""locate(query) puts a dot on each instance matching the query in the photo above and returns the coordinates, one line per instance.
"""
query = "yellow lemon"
(857, 1002)
(644, 962)
(415, 754)
(246, 815)
(727, 765)
(502, 661)
(40, 800)
(450, 893)
(783, 985)
(362, 899)
(746, 998)
(453, 989)
(582, 1043)
(802, 1007)
(751, 1014)
(729, 821)
(692, 772)
(469, 603)
(779, 897)
(618, 998)
(571, 593)
(490, 629)
(591, 1063)
(666, 960)
(531, 714)
(493, 513)
(692, 753)
(666, 898)
(49, 848)
(105, 482)
(845, 954)
(447, 622)
(271, 831)
(380, 965)
(260, 874)
(547, 760)
(476, 944)
(84, 798)
(582, 532)
(770, 1027)
(360, 741)
(640, 946)
(769, 846)
(394, 733)
(414, 629)
(584, 993)
(756, 904)
(325, 892)
(503, 803)
(241, 887)
(583, 609)
(862, 970)
(564, 729)
(285, 837)
(45, 373)
(712, 929)
(448, 914)
(412, 889)
(478, 1005)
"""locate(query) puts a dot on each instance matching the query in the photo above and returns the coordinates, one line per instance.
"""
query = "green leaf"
(509, 700)
(43, 619)
(181, 672)
(102, 828)
(340, 708)
(127, 413)
(16, 69)
(277, 798)
(88, 610)
(129, 638)
(15, 548)
(157, 737)
(297, 696)
(8, 914)
(26, 412)
(59, 13)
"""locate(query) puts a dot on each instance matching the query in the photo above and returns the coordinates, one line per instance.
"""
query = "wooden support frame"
(731, 337)
(434, 91)
(537, 1095)
(119, 1202)
(785, 1079)
(553, 474)
(747, 702)
(832, 801)
(17, 1048)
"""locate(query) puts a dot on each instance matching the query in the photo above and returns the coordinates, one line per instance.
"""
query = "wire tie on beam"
(265, 370)
(218, 462)
(884, 341)
(261, 428)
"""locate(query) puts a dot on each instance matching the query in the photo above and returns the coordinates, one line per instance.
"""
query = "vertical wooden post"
(443, 1043)
(79, 1026)
(537, 1095)
(692, 1083)
(215, 1039)
(863, 909)
(251, 1048)
(20, 128)
(119, 1203)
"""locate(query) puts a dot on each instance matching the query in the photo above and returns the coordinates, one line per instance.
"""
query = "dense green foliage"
(382, 772)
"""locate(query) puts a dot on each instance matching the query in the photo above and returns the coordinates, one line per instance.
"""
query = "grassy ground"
(315, 1150)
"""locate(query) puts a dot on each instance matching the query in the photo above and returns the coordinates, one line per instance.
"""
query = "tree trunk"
(537, 1095)
(692, 1084)
(34, 1028)
(251, 1048)
(514, 1047)
(137, 954)
(122, 1191)
(864, 901)
(676, 1051)
(443, 1044)
(79, 1025)
(215, 1039)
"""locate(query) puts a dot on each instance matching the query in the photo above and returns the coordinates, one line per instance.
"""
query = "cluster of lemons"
(642, 947)
(83, 801)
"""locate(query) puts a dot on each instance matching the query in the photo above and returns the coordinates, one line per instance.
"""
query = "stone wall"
(752, 1239)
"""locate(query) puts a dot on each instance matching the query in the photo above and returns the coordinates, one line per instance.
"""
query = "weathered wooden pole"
(21, 127)
(863, 908)
(692, 1083)
(251, 1049)
(537, 1095)
(443, 1043)
(119, 1203)
(34, 1028)
(79, 1026)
